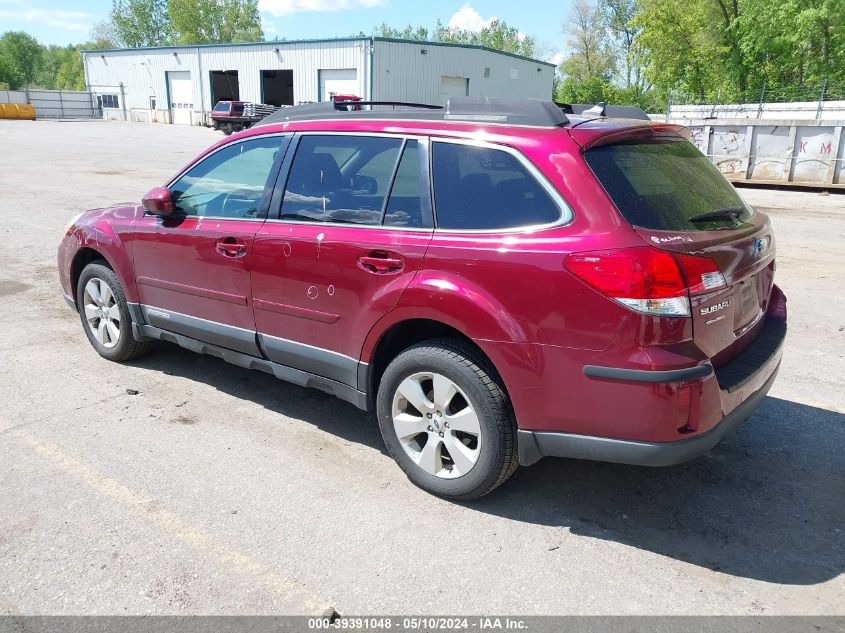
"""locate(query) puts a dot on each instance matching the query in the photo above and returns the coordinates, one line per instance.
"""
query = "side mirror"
(158, 201)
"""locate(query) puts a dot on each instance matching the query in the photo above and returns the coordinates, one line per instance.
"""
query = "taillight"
(646, 279)
(701, 273)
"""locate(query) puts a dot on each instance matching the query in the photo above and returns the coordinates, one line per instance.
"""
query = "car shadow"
(768, 503)
(312, 406)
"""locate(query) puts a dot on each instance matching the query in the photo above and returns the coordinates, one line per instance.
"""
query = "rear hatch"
(678, 201)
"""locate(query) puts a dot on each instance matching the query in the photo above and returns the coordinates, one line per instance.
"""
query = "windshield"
(665, 184)
(222, 106)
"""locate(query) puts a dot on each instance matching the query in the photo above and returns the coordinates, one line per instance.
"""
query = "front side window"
(483, 188)
(340, 179)
(229, 183)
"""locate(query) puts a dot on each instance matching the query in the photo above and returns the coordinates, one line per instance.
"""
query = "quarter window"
(487, 189)
(340, 179)
(229, 183)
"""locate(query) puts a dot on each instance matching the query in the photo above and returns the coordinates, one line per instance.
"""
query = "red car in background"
(499, 281)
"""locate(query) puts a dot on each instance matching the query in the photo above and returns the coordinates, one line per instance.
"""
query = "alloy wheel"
(101, 312)
(437, 426)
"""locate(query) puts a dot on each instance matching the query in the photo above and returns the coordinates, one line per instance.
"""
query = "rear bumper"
(534, 445)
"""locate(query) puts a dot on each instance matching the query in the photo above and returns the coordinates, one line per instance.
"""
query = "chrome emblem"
(715, 308)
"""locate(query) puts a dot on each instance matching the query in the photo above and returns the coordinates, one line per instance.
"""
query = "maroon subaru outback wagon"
(497, 279)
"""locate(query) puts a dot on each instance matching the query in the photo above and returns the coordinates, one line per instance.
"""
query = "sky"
(63, 22)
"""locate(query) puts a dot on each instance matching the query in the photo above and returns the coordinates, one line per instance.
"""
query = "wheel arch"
(81, 259)
(404, 333)
(108, 246)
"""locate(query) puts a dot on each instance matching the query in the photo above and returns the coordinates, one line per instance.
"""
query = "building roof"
(186, 47)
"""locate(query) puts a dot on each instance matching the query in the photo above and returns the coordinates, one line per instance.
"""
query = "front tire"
(446, 420)
(105, 314)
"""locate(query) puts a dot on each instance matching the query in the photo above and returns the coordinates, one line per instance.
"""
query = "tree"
(419, 33)
(53, 60)
(794, 43)
(215, 21)
(139, 23)
(731, 34)
(71, 75)
(680, 51)
(20, 59)
(590, 90)
(592, 54)
(498, 35)
(618, 17)
(104, 35)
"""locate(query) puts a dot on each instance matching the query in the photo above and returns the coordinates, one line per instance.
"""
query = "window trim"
(566, 214)
(427, 199)
(269, 184)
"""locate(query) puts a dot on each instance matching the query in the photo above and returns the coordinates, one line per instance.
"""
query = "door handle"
(380, 262)
(230, 247)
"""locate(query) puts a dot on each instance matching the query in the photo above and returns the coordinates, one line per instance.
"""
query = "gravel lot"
(217, 490)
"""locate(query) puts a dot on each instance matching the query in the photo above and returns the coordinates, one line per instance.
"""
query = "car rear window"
(661, 184)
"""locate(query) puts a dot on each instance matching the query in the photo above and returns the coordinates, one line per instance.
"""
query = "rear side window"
(660, 185)
(340, 179)
(483, 188)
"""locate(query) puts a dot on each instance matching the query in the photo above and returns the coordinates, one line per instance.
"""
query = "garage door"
(453, 87)
(181, 92)
(338, 81)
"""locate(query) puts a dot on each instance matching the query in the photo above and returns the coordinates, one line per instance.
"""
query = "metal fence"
(55, 104)
(825, 101)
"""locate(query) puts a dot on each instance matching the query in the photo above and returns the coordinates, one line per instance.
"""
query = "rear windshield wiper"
(728, 213)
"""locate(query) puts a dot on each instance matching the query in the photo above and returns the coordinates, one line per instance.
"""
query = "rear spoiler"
(601, 109)
(633, 132)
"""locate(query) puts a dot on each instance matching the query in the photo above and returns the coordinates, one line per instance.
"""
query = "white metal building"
(181, 84)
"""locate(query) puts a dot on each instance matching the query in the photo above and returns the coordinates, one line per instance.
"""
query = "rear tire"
(105, 314)
(447, 420)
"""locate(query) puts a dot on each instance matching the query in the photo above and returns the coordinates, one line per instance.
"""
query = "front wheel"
(446, 420)
(105, 314)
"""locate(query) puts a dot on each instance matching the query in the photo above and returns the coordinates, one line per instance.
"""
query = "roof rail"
(516, 111)
(396, 104)
(332, 109)
(534, 112)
